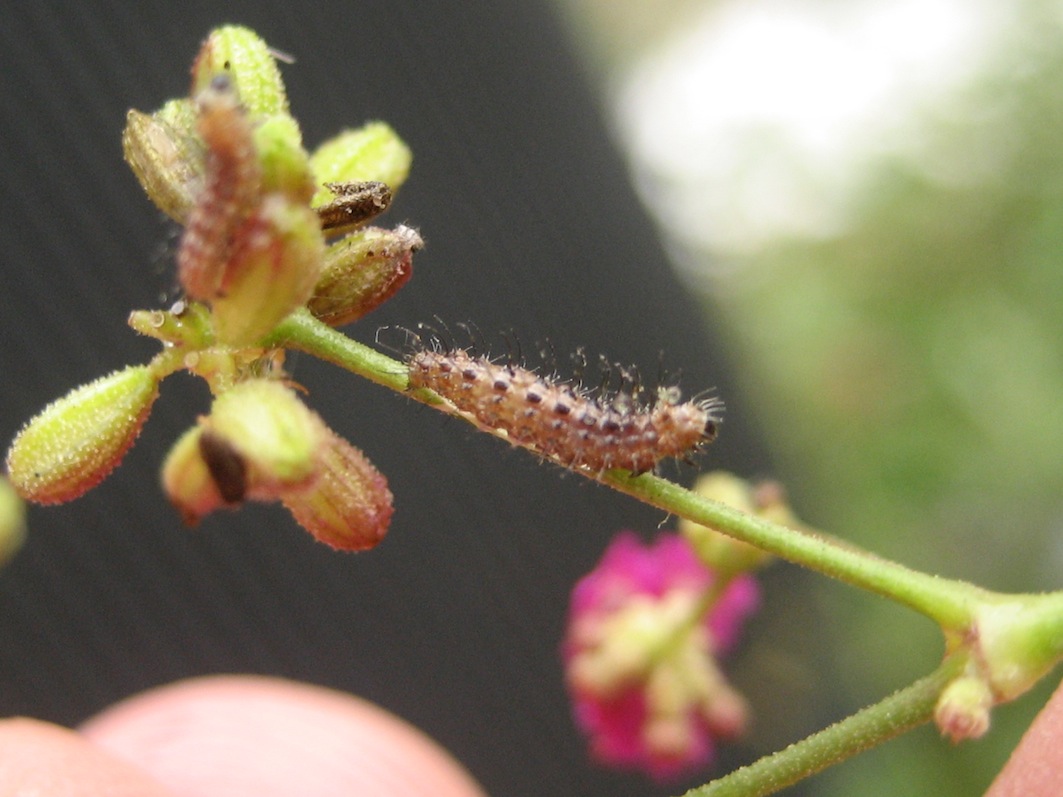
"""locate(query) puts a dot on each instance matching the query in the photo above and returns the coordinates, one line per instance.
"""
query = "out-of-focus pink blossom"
(640, 656)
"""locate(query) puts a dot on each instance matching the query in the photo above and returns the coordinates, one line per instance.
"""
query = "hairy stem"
(900, 712)
(948, 602)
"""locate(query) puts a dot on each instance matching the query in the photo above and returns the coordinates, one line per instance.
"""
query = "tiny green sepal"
(76, 441)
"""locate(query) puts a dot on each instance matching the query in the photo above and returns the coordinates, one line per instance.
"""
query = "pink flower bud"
(962, 711)
(349, 506)
(272, 271)
(363, 271)
(76, 441)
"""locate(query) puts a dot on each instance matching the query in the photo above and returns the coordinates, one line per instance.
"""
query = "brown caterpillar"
(230, 191)
(566, 423)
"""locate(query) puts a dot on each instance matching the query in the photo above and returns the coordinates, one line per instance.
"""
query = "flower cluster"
(270, 230)
(645, 629)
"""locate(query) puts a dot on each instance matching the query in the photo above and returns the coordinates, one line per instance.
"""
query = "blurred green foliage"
(908, 374)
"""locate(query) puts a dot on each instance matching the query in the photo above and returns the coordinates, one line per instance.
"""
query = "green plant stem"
(900, 712)
(948, 602)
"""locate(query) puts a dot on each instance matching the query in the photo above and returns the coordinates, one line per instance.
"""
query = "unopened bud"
(371, 153)
(278, 439)
(272, 271)
(12, 521)
(723, 553)
(165, 156)
(962, 711)
(349, 507)
(284, 163)
(363, 271)
(76, 441)
(187, 480)
(240, 54)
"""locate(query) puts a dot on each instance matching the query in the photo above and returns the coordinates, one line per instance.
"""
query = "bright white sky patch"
(755, 122)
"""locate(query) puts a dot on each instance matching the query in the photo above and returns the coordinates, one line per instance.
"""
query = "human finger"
(268, 736)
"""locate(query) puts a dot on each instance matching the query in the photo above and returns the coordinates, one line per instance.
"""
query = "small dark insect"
(355, 204)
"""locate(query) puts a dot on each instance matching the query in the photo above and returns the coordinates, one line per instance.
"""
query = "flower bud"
(370, 153)
(722, 552)
(76, 441)
(187, 480)
(272, 271)
(962, 711)
(284, 163)
(363, 271)
(349, 506)
(165, 156)
(12, 521)
(278, 439)
(239, 53)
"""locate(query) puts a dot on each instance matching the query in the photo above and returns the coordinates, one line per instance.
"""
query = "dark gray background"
(454, 621)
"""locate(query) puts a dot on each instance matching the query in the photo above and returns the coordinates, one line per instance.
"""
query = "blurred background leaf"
(868, 197)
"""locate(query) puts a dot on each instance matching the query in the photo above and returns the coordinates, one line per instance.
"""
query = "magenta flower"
(640, 657)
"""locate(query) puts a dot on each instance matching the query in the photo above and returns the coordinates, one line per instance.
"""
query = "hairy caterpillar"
(565, 422)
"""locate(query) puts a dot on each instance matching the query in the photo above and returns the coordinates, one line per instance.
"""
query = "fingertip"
(1035, 768)
(45, 760)
(268, 736)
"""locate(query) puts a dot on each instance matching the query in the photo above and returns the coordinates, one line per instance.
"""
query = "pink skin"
(278, 729)
(1035, 769)
(230, 735)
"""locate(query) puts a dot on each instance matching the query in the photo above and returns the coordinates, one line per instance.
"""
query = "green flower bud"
(165, 156)
(239, 53)
(349, 507)
(76, 441)
(726, 554)
(273, 269)
(277, 440)
(188, 481)
(362, 271)
(12, 521)
(285, 164)
(371, 153)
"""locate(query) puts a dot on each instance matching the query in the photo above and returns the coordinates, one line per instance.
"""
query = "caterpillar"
(573, 426)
